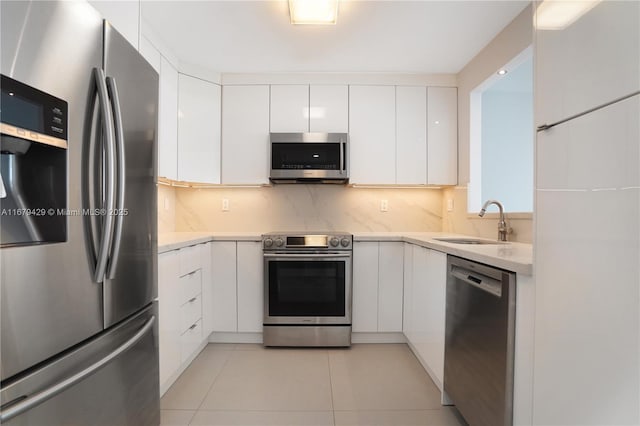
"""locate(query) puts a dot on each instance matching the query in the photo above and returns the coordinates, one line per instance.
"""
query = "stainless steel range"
(307, 289)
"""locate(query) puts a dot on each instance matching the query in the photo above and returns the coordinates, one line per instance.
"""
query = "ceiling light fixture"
(502, 72)
(559, 14)
(313, 12)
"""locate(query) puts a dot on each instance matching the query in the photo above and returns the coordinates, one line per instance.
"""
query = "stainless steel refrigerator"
(79, 233)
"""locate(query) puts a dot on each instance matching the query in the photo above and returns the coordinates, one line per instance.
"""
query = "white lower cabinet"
(225, 312)
(377, 286)
(180, 290)
(425, 302)
(237, 286)
(250, 286)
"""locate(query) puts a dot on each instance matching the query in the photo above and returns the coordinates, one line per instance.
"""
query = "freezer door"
(49, 301)
(131, 274)
(113, 381)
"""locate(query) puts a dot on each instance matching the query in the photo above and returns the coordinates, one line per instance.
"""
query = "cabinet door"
(436, 292)
(223, 263)
(407, 292)
(594, 60)
(245, 134)
(290, 108)
(442, 135)
(390, 284)
(329, 109)
(122, 15)
(420, 300)
(411, 135)
(250, 286)
(169, 297)
(198, 130)
(151, 54)
(207, 290)
(168, 121)
(372, 131)
(365, 287)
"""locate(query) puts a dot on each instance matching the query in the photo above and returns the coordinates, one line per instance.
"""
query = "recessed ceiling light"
(11, 93)
(313, 12)
(502, 72)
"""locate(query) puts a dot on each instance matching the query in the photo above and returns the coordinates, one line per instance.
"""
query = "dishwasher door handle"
(479, 281)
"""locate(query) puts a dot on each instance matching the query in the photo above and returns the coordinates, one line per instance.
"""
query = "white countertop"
(516, 257)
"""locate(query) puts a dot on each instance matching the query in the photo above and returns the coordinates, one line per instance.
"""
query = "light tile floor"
(249, 385)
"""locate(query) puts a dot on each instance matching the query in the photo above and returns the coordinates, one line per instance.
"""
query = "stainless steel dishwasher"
(479, 343)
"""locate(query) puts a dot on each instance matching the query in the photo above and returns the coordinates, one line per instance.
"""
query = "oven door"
(307, 288)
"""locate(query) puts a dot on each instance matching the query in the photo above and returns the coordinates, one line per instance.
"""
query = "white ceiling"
(370, 36)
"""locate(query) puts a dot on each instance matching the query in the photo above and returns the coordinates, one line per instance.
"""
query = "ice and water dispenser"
(33, 165)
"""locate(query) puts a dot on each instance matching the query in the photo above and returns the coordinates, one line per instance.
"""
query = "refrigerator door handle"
(107, 224)
(48, 393)
(119, 212)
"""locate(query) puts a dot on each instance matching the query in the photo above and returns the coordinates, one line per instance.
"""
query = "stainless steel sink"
(458, 240)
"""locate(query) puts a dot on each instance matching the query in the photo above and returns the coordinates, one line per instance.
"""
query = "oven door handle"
(307, 256)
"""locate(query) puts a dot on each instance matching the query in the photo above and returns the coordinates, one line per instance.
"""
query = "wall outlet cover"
(384, 205)
(450, 204)
(225, 204)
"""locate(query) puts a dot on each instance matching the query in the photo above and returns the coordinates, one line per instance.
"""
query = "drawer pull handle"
(193, 299)
(193, 326)
(191, 273)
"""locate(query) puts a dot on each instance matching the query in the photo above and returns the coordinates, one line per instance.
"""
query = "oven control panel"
(283, 241)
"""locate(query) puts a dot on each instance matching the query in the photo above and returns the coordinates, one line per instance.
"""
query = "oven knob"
(345, 242)
(334, 242)
(268, 242)
(279, 242)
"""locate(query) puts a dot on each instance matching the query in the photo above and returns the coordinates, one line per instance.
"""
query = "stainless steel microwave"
(309, 157)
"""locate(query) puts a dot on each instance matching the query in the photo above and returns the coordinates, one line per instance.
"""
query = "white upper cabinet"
(372, 130)
(198, 130)
(594, 60)
(168, 121)
(329, 109)
(245, 134)
(442, 136)
(123, 15)
(150, 53)
(290, 108)
(411, 135)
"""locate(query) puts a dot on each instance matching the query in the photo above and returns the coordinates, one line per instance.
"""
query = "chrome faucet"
(503, 228)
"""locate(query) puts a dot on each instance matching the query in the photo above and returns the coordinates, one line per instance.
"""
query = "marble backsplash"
(299, 208)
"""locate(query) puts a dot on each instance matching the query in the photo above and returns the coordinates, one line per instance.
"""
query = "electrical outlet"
(225, 204)
(450, 204)
(384, 205)
(166, 203)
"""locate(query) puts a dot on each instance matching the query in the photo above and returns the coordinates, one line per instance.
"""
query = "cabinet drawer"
(190, 312)
(190, 285)
(189, 259)
(190, 340)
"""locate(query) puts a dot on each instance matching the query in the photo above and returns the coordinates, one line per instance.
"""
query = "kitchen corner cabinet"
(245, 134)
(237, 286)
(377, 286)
(198, 130)
(168, 121)
(425, 284)
(250, 286)
(372, 131)
(442, 135)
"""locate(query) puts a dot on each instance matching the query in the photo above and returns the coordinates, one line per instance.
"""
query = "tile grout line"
(213, 382)
(333, 408)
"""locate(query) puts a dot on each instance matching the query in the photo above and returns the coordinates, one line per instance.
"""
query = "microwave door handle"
(109, 183)
(342, 158)
(112, 87)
